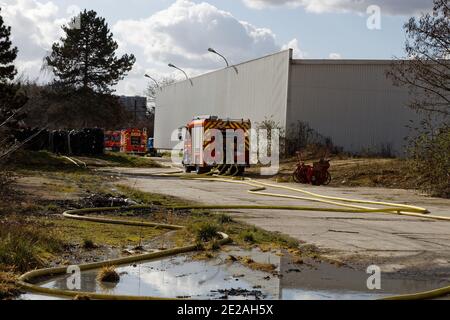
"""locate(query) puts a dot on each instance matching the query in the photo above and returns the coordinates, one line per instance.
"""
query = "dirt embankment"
(361, 172)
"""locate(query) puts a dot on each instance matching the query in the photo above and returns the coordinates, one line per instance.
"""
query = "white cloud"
(390, 7)
(35, 26)
(182, 33)
(335, 56)
(297, 52)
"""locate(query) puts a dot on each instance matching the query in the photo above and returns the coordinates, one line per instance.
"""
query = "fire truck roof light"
(206, 117)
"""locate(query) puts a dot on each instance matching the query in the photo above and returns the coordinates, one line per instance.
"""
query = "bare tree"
(426, 72)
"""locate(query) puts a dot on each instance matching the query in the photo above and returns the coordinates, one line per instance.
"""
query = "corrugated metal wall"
(258, 90)
(352, 102)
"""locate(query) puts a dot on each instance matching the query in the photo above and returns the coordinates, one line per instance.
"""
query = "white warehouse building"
(350, 102)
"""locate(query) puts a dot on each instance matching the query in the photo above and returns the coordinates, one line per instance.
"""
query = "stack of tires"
(58, 142)
(82, 142)
(86, 142)
(39, 142)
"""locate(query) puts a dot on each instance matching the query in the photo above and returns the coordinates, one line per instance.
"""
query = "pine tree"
(86, 57)
(8, 53)
(10, 99)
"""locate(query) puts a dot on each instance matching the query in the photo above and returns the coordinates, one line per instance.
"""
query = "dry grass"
(250, 263)
(75, 231)
(108, 274)
(88, 244)
(6, 180)
(8, 289)
(27, 244)
(361, 172)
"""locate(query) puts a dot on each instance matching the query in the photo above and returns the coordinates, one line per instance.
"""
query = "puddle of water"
(178, 277)
(325, 281)
(299, 294)
(181, 276)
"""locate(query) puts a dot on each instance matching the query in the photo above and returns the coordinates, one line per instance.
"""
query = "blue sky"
(180, 31)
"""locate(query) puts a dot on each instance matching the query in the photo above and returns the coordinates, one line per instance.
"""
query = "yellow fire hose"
(257, 188)
(389, 208)
(25, 281)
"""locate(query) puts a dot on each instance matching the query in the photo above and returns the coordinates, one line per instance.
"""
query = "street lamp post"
(223, 57)
(175, 67)
(156, 82)
(215, 52)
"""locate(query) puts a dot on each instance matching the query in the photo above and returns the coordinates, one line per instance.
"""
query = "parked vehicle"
(198, 136)
(133, 141)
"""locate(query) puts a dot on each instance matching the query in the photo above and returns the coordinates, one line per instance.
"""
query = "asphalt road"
(391, 241)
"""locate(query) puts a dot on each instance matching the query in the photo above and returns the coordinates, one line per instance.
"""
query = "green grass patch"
(47, 161)
(201, 223)
(204, 231)
(26, 244)
(248, 236)
(223, 218)
(75, 231)
(128, 160)
(40, 161)
(152, 198)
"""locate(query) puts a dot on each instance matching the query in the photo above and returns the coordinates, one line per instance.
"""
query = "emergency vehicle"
(199, 134)
(133, 141)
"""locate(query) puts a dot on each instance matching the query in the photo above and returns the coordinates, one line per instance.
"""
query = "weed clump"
(88, 244)
(248, 236)
(108, 274)
(205, 231)
(215, 245)
(223, 218)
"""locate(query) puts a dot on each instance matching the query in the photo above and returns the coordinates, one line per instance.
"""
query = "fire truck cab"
(133, 141)
(200, 145)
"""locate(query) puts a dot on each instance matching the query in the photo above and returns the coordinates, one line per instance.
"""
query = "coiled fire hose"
(257, 188)
(25, 281)
(387, 208)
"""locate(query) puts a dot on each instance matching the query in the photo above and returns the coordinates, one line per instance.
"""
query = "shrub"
(248, 236)
(205, 231)
(430, 155)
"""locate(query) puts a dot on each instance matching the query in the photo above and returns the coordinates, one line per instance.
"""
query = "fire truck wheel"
(223, 169)
(188, 169)
(200, 170)
(232, 171)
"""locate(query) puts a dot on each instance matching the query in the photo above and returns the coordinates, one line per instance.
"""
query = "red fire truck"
(205, 145)
(133, 141)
